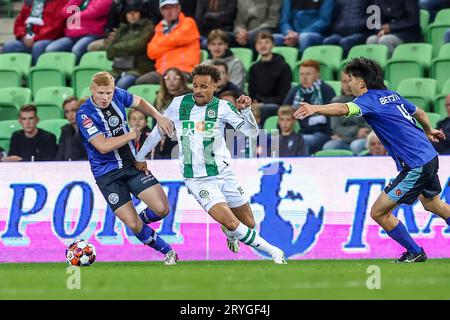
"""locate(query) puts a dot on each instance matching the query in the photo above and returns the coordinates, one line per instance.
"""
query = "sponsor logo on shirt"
(87, 122)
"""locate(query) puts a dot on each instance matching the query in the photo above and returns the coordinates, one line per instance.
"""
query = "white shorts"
(209, 191)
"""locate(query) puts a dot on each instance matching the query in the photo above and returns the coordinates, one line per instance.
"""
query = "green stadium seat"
(334, 153)
(10, 78)
(82, 78)
(424, 21)
(409, 60)
(13, 68)
(365, 152)
(440, 66)
(53, 126)
(8, 111)
(419, 91)
(203, 55)
(271, 123)
(7, 127)
(245, 55)
(96, 59)
(146, 91)
(86, 92)
(47, 110)
(51, 70)
(378, 52)
(336, 85)
(437, 29)
(434, 119)
(329, 57)
(289, 54)
(18, 96)
(53, 95)
(439, 102)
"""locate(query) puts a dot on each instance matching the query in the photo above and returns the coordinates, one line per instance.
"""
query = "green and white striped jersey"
(200, 132)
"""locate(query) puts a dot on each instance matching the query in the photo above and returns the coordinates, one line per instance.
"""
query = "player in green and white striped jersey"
(199, 120)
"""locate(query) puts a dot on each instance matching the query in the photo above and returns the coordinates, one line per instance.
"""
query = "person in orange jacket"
(176, 43)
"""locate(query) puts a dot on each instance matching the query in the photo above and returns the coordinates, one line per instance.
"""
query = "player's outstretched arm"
(250, 126)
(332, 109)
(432, 134)
(164, 123)
(150, 143)
(105, 145)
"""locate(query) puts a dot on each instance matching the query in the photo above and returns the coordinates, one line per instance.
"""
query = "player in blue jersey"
(393, 119)
(111, 152)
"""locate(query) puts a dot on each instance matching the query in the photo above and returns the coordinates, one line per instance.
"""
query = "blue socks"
(448, 221)
(401, 235)
(149, 237)
(148, 216)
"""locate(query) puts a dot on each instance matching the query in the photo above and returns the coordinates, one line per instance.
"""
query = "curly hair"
(207, 70)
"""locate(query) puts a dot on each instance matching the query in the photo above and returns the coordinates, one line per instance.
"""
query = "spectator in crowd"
(433, 6)
(70, 147)
(374, 146)
(38, 23)
(218, 50)
(224, 84)
(344, 34)
(152, 11)
(88, 25)
(31, 143)
(400, 23)
(254, 16)
(128, 48)
(348, 133)
(173, 84)
(315, 129)
(270, 78)
(291, 144)
(304, 23)
(218, 14)
(443, 147)
(176, 43)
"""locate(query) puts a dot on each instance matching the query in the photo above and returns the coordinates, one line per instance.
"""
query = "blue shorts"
(410, 183)
(117, 185)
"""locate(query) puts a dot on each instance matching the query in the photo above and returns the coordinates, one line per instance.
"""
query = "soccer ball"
(80, 253)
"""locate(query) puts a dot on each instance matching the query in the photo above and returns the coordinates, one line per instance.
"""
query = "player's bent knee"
(231, 224)
(134, 225)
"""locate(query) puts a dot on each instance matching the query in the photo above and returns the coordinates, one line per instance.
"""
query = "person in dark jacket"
(128, 49)
(291, 144)
(224, 84)
(344, 34)
(215, 14)
(31, 143)
(400, 23)
(270, 78)
(38, 23)
(70, 147)
(316, 129)
(443, 147)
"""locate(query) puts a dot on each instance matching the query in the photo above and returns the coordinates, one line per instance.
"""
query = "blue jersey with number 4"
(391, 117)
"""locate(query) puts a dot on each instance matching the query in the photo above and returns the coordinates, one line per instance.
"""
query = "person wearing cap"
(176, 43)
(127, 49)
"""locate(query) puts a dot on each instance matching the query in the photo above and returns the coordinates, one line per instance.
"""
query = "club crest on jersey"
(204, 194)
(211, 113)
(113, 121)
(113, 198)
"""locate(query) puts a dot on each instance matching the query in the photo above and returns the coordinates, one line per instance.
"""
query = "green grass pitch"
(313, 279)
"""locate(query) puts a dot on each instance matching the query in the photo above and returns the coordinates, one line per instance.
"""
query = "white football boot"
(171, 258)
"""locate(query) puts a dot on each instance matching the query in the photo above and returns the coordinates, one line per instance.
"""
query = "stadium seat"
(439, 102)
(96, 59)
(289, 54)
(440, 66)
(53, 95)
(13, 68)
(271, 123)
(7, 127)
(18, 96)
(47, 110)
(51, 70)
(379, 52)
(82, 77)
(53, 126)
(329, 57)
(146, 91)
(334, 153)
(419, 91)
(409, 60)
(336, 85)
(8, 111)
(86, 92)
(437, 29)
(434, 119)
(245, 55)
(365, 152)
(203, 55)
(424, 21)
